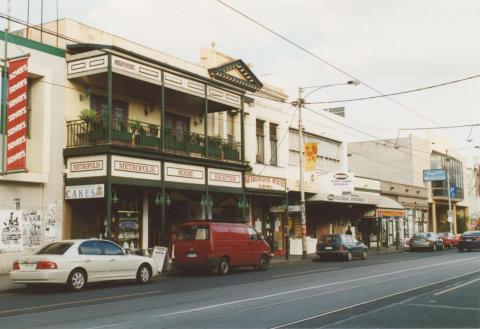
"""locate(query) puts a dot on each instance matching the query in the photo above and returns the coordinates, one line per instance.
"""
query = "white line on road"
(304, 272)
(446, 306)
(456, 287)
(252, 299)
(82, 301)
(366, 302)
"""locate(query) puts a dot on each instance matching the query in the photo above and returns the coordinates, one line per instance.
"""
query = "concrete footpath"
(6, 284)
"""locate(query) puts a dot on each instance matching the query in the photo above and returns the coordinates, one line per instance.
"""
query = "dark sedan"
(469, 240)
(342, 245)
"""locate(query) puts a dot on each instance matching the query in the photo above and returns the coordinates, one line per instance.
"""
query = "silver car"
(427, 241)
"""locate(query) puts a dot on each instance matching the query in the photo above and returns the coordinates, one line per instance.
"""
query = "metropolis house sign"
(181, 173)
(84, 192)
(225, 178)
(135, 168)
(87, 166)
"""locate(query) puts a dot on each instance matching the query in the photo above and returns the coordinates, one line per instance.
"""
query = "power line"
(329, 64)
(397, 93)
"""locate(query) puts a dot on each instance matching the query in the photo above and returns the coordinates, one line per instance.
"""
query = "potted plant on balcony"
(215, 146)
(91, 128)
(195, 143)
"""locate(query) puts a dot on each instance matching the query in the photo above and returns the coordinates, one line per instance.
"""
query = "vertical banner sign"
(311, 154)
(17, 115)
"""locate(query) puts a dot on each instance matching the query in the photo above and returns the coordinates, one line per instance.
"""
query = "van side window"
(194, 232)
(252, 234)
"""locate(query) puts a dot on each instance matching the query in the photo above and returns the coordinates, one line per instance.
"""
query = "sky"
(388, 45)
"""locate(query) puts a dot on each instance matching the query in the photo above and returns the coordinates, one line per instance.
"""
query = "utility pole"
(3, 111)
(449, 215)
(303, 215)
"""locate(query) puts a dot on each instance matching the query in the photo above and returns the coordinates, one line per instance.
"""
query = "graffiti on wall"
(50, 223)
(32, 229)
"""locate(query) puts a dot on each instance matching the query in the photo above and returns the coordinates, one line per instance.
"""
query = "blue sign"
(453, 191)
(434, 175)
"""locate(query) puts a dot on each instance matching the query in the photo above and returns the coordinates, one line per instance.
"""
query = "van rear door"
(193, 245)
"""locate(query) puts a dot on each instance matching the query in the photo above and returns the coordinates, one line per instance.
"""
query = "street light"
(301, 103)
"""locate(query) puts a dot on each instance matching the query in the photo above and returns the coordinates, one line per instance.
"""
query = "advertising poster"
(16, 150)
(11, 231)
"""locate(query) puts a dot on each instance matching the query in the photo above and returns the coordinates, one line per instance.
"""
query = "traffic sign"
(453, 191)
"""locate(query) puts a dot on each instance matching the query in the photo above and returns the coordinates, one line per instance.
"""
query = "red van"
(220, 246)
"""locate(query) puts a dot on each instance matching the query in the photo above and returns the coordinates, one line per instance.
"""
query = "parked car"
(449, 239)
(426, 240)
(341, 245)
(76, 262)
(469, 240)
(219, 246)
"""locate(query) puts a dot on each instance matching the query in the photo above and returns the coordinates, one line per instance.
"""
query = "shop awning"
(387, 207)
(385, 202)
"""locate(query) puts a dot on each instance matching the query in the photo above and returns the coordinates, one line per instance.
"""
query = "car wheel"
(348, 256)
(365, 254)
(223, 266)
(77, 279)
(263, 263)
(144, 274)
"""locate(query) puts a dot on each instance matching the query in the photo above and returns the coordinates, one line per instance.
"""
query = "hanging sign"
(311, 154)
(17, 115)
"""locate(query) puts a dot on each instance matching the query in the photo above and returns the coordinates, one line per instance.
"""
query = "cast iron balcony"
(147, 136)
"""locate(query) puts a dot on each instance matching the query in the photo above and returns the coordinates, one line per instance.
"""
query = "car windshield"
(419, 236)
(472, 233)
(330, 238)
(194, 232)
(56, 248)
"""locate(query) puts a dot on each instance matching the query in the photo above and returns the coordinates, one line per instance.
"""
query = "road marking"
(366, 302)
(82, 301)
(252, 299)
(456, 287)
(304, 272)
(447, 307)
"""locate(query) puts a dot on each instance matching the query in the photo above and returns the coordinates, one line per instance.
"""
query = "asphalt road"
(399, 290)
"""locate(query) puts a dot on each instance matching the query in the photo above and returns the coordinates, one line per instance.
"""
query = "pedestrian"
(349, 231)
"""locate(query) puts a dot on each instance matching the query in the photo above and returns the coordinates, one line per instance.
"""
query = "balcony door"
(177, 125)
(119, 109)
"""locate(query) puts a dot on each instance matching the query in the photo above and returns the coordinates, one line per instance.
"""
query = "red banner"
(17, 115)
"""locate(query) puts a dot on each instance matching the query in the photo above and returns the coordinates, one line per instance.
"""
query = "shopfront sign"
(265, 182)
(337, 183)
(76, 192)
(16, 148)
(135, 168)
(176, 172)
(291, 208)
(226, 178)
(381, 213)
(88, 166)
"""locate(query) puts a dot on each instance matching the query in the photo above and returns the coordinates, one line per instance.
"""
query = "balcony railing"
(144, 135)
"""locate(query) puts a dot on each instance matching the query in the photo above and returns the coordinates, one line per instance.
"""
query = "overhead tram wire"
(399, 92)
(54, 33)
(330, 64)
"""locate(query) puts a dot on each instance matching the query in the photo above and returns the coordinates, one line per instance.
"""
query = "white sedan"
(76, 262)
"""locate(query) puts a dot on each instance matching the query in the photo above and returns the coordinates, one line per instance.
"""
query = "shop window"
(260, 142)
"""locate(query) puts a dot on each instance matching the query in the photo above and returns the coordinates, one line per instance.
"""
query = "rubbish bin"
(158, 255)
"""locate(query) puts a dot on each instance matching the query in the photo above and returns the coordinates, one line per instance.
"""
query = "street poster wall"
(20, 229)
(16, 150)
